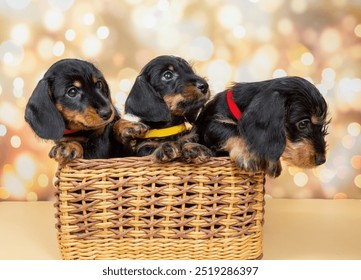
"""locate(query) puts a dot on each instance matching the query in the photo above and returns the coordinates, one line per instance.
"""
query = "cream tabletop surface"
(294, 229)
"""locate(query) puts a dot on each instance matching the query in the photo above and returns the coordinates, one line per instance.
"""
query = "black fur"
(73, 95)
(278, 116)
(166, 93)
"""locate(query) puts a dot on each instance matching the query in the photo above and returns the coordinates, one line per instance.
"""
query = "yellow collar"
(165, 132)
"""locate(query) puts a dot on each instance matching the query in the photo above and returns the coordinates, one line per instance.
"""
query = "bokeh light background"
(228, 40)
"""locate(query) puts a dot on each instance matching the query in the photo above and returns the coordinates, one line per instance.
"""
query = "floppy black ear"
(263, 125)
(144, 102)
(42, 115)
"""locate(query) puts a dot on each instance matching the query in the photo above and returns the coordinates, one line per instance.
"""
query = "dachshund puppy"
(166, 95)
(71, 105)
(258, 123)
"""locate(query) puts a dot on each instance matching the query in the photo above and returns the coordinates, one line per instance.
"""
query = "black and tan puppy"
(71, 105)
(166, 95)
(258, 123)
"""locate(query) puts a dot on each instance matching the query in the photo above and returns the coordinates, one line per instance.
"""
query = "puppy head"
(167, 87)
(73, 94)
(306, 124)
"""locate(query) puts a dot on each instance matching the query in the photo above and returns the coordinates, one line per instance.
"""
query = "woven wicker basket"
(131, 208)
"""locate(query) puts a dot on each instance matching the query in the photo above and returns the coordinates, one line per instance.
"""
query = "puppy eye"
(99, 84)
(168, 75)
(72, 92)
(304, 124)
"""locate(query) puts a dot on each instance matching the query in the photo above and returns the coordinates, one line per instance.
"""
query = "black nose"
(203, 87)
(105, 113)
(320, 159)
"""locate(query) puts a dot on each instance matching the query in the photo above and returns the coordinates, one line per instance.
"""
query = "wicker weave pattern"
(131, 208)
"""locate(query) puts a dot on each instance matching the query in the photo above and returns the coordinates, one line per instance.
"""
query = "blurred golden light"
(43, 180)
(20, 34)
(323, 89)
(330, 40)
(357, 30)
(300, 179)
(11, 115)
(340, 196)
(348, 141)
(58, 48)
(357, 181)
(125, 85)
(18, 4)
(53, 20)
(168, 38)
(354, 129)
(264, 61)
(45, 48)
(307, 58)
(231, 41)
(201, 48)
(11, 53)
(163, 5)
(356, 162)
(13, 185)
(298, 6)
(3, 130)
(285, 26)
(15, 141)
(70, 35)
(18, 83)
(349, 90)
(325, 174)
(220, 72)
(4, 194)
(103, 32)
(61, 4)
(31, 196)
(239, 31)
(264, 33)
(25, 166)
(328, 74)
(91, 46)
(229, 16)
(88, 18)
(270, 6)
(278, 73)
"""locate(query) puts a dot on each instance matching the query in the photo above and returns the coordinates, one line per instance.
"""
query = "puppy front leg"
(193, 152)
(274, 168)
(64, 152)
(125, 131)
(246, 160)
(167, 151)
(240, 154)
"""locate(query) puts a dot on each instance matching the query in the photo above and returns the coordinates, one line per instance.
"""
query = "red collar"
(233, 106)
(69, 131)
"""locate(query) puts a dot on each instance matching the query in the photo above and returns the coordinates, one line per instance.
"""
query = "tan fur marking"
(237, 148)
(88, 120)
(190, 93)
(315, 120)
(95, 80)
(77, 84)
(223, 120)
(300, 154)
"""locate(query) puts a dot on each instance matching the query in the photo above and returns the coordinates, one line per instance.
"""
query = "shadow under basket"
(131, 208)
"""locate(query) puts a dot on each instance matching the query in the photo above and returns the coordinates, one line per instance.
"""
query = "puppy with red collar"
(71, 105)
(258, 123)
